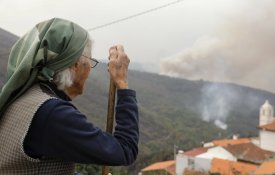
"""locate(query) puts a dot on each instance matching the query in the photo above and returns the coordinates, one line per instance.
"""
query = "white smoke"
(216, 103)
(242, 51)
(220, 124)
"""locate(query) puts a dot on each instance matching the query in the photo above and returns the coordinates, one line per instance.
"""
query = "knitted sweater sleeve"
(60, 131)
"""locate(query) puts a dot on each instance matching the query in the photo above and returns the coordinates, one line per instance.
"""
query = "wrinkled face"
(81, 71)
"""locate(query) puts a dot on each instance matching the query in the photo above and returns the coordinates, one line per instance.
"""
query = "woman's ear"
(74, 66)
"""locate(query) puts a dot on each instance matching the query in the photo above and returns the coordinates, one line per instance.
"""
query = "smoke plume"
(242, 51)
(216, 103)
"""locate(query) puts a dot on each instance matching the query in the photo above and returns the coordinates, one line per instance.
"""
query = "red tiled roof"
(227, 167)
(269, 127)
(226, 142)
(249, 152)
(168, 166)
(171, 169)
(196, 151)
(266, 168)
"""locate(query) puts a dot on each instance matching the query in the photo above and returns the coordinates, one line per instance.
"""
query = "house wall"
(202, 164)
(256, 141)
(192, 163)
(181, 163)
(267, 140)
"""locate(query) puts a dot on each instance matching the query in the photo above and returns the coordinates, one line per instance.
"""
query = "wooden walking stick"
(110, 115)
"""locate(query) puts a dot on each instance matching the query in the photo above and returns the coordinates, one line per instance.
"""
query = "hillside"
(171, 110)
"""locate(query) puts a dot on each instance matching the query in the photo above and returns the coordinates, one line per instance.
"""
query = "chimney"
(181, 162)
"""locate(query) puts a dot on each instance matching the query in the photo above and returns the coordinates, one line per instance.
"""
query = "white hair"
(65, 78)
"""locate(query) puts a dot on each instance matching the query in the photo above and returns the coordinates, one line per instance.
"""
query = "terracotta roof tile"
(168, 166)
(249, 152)
(226, 142)
(171, 169)
(269, 127)
(226, 167)
(266, 168)
(196, 151)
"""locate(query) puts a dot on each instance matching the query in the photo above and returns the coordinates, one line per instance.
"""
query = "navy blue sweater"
(60, 131)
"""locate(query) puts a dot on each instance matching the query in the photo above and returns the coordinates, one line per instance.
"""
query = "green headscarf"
(51, 46)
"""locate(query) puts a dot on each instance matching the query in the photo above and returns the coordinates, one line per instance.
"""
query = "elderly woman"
(41, 132)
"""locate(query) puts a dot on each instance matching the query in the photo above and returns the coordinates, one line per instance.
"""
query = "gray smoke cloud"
(216, 103)
(242, 51)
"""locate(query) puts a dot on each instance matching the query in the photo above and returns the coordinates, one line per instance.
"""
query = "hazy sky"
(197, 39)
(147, 38)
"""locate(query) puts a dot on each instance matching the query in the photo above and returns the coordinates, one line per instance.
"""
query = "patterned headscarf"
(51, 46)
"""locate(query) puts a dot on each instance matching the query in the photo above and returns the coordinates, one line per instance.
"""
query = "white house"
(202, 164)
(189, 160)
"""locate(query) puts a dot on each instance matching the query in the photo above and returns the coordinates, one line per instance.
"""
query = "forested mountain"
(172, 111)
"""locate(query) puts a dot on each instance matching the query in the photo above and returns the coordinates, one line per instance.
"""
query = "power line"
(135, 15)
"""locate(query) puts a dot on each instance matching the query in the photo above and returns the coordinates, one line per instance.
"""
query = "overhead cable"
(135, 15)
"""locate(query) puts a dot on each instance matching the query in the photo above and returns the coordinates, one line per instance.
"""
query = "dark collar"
(51, 89)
